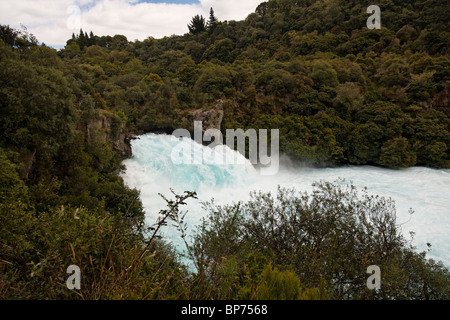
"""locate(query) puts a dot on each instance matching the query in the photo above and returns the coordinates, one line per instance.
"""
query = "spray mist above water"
(152, 171)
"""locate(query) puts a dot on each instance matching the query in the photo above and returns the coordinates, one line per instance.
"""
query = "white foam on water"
(152, 171)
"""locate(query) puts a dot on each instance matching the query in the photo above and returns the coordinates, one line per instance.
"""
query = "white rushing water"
(152, 171)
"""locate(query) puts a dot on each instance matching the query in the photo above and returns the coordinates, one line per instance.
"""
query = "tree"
(119, 42)
(211, 25)
(12, 188)
(36, 104)
(82, 41)
(221, 49)
(327, 238)
(197, 25)
(16, 38)
(91, 39)
(215, 82)
(276, 82)
(397, 153)
(8, 35)
(282, 285)
(323, 74)
(349, 97)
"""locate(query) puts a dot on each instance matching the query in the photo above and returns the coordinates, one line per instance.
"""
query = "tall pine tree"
(82, 39)
(91, 39)
(197, 25)
(212, 20)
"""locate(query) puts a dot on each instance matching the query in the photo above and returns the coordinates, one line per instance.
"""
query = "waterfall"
(152, 170)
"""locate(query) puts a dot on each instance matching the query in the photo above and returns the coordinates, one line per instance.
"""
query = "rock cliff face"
(110, 128)
(106, 128)
(28, 160)
(211, 117)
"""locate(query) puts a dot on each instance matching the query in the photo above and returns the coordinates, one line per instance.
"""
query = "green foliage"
(221, 50)
(339, 93)
(291, 59)
(12, 188)
(283, 285)
(197, 25)
(38, 114)
(396, 153)
(325, 240)
(39, 248)
(212, 21)
(213, 83)
(19, 39)
(323, 75)
(277, 82)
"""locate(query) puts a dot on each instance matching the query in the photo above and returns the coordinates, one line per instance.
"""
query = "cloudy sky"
(54, 21)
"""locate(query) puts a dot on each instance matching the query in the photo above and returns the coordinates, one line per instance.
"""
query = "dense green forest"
(339, 93)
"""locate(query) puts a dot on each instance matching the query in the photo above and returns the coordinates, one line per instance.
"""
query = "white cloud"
(53, 22)
(231, 9)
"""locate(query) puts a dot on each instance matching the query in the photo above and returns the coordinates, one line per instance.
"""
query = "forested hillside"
(339, 93)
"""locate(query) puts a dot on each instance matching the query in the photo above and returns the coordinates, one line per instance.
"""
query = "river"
(151, 170)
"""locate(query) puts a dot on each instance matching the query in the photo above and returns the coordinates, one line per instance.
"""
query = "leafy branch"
(171, 213)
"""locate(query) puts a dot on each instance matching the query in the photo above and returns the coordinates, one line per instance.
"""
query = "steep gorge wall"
(111, 129)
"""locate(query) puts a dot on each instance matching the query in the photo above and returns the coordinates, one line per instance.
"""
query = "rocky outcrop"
(28, 158)
(210, 117)
(108, 127)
